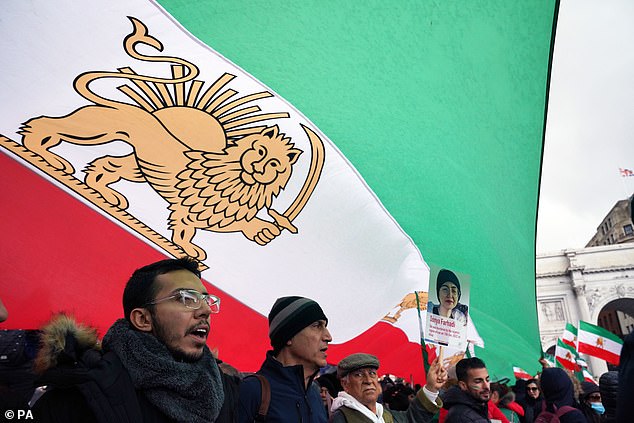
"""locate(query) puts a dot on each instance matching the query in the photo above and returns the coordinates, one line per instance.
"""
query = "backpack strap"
(563, 410)
(265, 399)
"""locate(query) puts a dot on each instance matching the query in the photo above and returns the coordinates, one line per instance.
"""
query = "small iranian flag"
(521, 373)
(588, 377)
(566, 356)
(581, 362)
(598, 342)
(570, 335)
(550, 359)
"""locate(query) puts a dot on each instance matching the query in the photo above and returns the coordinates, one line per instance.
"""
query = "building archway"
(617, 316)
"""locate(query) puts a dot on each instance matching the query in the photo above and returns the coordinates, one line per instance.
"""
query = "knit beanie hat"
(447, 276)
(289, 316)
(588, 388)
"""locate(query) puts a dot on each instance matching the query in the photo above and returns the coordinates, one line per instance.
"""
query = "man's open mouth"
(200, 332)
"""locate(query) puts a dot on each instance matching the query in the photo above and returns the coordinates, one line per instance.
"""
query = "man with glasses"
(154, 364)
(360, 382)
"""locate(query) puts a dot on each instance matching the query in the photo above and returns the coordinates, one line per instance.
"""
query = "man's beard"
(476, 396)
(179, 355)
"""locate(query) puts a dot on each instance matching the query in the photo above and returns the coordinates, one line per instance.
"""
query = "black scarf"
(186, 392)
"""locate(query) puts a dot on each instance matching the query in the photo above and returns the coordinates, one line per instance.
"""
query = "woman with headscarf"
(448, 294)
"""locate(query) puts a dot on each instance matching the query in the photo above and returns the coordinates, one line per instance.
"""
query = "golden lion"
(210, 182)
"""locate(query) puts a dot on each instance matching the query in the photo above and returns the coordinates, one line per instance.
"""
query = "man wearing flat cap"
(358, 403)
(299, 337)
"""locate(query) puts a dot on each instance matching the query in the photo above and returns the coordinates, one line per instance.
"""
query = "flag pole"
(422, 336)
(624, 185)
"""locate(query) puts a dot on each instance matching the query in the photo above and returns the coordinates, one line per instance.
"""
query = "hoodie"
(558, 391)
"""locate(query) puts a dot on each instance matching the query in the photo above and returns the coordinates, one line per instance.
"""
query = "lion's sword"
(316, 165)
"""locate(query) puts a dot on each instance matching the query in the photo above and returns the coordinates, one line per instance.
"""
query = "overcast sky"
(590, 130)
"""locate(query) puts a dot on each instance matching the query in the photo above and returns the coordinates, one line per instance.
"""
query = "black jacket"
(87, 385)
(463, 408)
(625, 407)
(609, 388)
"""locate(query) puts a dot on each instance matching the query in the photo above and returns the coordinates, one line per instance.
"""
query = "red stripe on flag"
(58, 255)
(606, 355)
(396, 354)
(568, 365)
(521, 374)
(569, 343)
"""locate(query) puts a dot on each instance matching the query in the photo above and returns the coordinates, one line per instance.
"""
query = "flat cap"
(356, 361)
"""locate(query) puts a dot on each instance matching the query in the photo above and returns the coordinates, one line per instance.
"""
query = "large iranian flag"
(385, 132)
(599, 342)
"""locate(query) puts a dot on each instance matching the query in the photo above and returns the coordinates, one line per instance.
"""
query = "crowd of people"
(153, 365)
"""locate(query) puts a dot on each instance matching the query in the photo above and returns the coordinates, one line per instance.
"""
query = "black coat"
(532, 407)
(463, 408)
(87, 385)
(625, 402)
(609, 388)
(105, 394)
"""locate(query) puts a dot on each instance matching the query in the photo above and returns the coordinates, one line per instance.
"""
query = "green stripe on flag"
(599, 331)
(440, 107)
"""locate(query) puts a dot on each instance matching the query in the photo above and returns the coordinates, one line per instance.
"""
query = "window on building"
(628, 229)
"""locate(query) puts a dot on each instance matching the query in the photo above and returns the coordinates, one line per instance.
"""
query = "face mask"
(598, 407)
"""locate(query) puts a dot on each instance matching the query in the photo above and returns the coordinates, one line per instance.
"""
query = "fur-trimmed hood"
(63, 340)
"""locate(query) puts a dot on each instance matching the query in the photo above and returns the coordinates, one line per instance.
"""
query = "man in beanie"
(358, 403)
(591, 404)
(299, 337)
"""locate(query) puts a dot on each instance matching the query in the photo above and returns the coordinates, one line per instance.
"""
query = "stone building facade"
(616, 227)
(593, 284)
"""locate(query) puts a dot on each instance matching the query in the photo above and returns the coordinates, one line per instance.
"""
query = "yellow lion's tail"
(139, 35)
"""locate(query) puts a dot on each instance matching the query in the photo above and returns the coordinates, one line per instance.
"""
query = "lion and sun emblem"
(197, 148)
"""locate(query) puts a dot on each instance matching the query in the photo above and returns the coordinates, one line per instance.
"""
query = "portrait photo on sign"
(448, 307)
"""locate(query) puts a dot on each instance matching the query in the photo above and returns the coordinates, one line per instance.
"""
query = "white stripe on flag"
(599, 342)
(346, 242)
